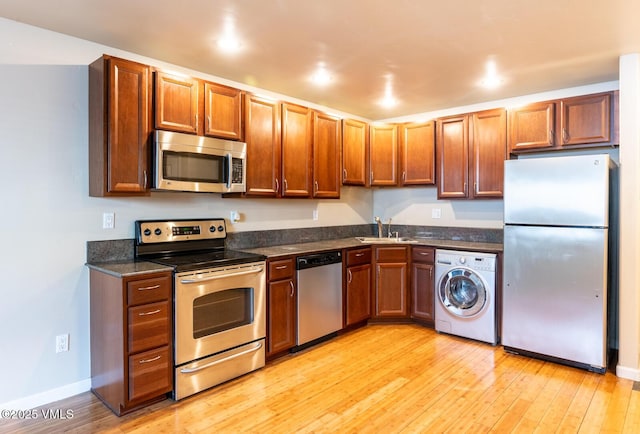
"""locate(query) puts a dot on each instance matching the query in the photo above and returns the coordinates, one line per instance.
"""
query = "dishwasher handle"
(318, 259)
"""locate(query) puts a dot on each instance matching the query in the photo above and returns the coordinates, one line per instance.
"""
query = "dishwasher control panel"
(318, 259)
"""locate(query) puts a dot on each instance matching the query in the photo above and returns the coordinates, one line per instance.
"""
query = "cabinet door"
(422, 295)
(417, 143)
(176, 103)
(327, 135)
(452, 143)
(355, 152)
(532, 127)
(585, 119)
(296, 151)
(384, 155)
(119, 127)
(489, 150)
(222, 112)
(358, 291)
(262, 134)
(281, 314)
(391, 290)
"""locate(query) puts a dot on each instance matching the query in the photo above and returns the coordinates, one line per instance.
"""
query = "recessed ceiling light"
(229, 42)
(321, 75)
(491, 79)
(388, 100)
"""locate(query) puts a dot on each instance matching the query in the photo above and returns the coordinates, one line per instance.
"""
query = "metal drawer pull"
(147, 288)
(224, 276)
(281, 267)
(359, 254)
(153, 359)
(424, 253)
(153, 312)
(217, 362)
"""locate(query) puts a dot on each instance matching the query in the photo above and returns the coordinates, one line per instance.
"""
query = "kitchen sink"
(386, 240)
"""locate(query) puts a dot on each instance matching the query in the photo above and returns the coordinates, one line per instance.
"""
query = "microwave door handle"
(229, 170)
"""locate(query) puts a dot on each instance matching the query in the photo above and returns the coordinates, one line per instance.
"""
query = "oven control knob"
(147, 232)
(220, 228)
(463, 259)
(158, 231)
(212, 228)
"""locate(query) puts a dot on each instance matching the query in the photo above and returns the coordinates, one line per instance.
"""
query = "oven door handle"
(223, 276)
(217, 362)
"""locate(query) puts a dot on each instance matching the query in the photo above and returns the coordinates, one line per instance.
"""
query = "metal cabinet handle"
(277, 185)
(315, 184)
(551, 137)
(208, 121)
(430, 272)
(153, 312)
(349, 276)
(148, 288)
(344, 174)
(153, 359)
(404, 176)
(372, 176)
(292, 288)
(565, 136)
(144, 181)
(285, 185)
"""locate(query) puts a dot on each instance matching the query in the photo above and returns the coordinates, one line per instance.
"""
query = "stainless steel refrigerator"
(556, 249)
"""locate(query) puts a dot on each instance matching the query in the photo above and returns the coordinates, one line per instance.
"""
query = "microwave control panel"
(237, 171)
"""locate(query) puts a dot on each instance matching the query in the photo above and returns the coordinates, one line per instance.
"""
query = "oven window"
(193, 167)
(220, 311)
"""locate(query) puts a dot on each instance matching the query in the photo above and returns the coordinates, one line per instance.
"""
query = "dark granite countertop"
(319, 246)
(128, 268)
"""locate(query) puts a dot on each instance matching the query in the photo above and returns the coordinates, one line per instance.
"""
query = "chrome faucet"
(389, 229)
(379, 222)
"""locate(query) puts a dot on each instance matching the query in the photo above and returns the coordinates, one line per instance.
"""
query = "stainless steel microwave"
(185, 162)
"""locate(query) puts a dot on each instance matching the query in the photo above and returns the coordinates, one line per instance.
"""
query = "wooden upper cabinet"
(532, 127)
(453, 156)
(489, 150)
(417, 153)
(327, 136)
(471, 147)
(296, 150)
(119, 127)
(355, 152)
(223, 112)
(581, 121)
(264, 150)
(177, 103)
(585, 119)
(383, 158)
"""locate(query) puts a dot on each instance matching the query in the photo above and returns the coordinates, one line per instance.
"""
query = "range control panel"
(163, 231)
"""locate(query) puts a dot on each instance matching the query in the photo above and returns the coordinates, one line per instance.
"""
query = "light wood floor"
(382, 379)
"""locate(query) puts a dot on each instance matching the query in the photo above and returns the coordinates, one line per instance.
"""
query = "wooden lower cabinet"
(390, 287)
(422, 284)
(357, 286)
(131, 339)
(281, 306)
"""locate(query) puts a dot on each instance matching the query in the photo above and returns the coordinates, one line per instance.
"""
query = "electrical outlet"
(436, 213)
(315, 214)
(62, 343)
(108, 220)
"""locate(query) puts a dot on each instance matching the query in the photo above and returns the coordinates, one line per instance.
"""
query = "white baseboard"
(47, 397)
(628, 373)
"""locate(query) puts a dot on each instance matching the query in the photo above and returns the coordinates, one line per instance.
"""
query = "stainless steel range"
(219, 300)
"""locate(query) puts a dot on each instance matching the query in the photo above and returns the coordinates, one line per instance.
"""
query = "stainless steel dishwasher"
(319, 296)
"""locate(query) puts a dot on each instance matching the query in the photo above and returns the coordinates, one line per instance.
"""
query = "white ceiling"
(434, 52)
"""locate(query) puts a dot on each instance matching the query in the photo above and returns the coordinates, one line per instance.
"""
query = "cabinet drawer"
(150, 373)
(148, 326)
(281, 269)
(391, 254)
(148, 290)
(423, 254)
(358, 257)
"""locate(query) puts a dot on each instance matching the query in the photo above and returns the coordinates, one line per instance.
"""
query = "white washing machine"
(465, 295)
